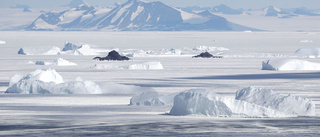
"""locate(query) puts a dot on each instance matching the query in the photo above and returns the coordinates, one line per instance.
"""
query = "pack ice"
(50, 82)
(205, 102)
(289, 64)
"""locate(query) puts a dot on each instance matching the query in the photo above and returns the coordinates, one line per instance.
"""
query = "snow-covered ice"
(50, 82)
(289, 64)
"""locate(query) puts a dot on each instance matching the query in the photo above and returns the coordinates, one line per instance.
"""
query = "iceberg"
(147, 98)
(57, 62)
(79, 49)
(50, 82)
(290, 105)
(39, 51)
(2, 42)
(249, 102)
(205, 102)
(145, 66)
(308, 52)
(289, 64)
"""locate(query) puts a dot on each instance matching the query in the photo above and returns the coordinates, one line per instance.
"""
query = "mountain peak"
(77, 3)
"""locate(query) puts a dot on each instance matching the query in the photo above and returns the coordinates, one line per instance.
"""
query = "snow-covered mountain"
(75, 3)
(224, 9)
(132, 15)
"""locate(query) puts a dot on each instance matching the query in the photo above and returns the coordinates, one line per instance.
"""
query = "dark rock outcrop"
(206, 55)
(113, 55)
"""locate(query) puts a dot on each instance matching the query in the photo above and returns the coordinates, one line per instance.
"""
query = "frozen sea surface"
(110, 115)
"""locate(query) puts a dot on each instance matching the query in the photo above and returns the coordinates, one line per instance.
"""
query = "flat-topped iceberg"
(45, 50)
(248, 103)
(289, 64)
(50, 82)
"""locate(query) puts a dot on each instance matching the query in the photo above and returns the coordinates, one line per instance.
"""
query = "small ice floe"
(139, 66)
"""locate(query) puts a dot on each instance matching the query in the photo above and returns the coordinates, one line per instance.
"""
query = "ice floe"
(249, 102)
(308, 52)
(57, 62)
(289, 64)
(50, 82)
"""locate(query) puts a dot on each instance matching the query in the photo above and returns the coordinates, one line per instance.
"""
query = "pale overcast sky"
(246, 4)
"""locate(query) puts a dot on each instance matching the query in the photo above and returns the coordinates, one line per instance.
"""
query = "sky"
(245, 4)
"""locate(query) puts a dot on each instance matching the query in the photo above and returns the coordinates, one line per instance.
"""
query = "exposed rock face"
(113, 55)
(206, 55)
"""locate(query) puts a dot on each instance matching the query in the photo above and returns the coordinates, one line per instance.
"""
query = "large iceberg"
(290, 105)
(50, 82)
(205, 102)
(39, 50)
(289, 64)
(308, 52)
(269, 104)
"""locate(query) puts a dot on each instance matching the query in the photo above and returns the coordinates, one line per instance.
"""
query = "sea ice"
(289, 64)
(290, 105)
(50, 82)
(308, 52)
(39, 50)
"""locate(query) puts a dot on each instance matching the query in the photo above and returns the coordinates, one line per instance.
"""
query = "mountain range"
(134, 15)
